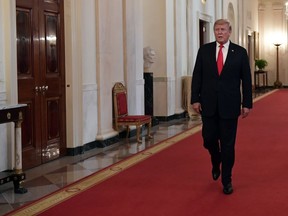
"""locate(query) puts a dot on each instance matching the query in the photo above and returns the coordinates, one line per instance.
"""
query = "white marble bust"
(149, 55)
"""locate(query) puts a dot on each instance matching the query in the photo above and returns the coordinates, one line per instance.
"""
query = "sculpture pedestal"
(148, 93)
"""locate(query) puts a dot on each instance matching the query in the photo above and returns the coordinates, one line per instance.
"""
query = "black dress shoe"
(215, 173)
(228, 189)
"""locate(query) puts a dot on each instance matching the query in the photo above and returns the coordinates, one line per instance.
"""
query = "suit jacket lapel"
(213, 56)
(230, 54)
(229, 57)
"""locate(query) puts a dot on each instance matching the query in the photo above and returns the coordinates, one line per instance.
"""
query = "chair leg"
(127, 131)
(149, 130)
(138, 134)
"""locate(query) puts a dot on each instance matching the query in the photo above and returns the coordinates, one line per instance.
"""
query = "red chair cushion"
(122, 103)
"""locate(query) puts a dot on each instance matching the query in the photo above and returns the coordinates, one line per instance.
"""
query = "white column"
(180, 50)
(218, 9)
(110, 61)
(88, 55)
(8, 77)
(133, 54)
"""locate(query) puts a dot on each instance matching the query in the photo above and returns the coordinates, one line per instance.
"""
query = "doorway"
(203, 32)
(41, 79)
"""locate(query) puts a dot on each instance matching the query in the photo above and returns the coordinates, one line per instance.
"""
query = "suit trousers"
(219, 136)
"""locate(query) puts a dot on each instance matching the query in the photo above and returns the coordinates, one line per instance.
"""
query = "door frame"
(73, 83)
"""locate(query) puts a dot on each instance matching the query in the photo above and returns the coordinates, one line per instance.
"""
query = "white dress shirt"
(224, 50)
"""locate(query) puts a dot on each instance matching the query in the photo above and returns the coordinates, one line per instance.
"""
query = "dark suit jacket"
(222, 94)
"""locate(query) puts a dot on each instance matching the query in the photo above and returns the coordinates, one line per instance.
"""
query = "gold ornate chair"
(121, 116)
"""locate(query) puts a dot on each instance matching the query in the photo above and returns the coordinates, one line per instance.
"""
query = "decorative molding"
(277, 6)
(89, 87)
(249, 15)
(163, 79)
(205, 17)
(92, 145)
(261, 7)
(107, 135)
(140, 81)
(3, 97)
(172, 117)
(286, 10)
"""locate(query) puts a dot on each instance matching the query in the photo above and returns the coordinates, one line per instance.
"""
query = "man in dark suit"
(221, 92)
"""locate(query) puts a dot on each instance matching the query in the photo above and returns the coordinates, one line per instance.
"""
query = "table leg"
(18, 148)
(18, 176)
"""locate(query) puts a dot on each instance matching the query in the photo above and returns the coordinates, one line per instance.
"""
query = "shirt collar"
(226, 45)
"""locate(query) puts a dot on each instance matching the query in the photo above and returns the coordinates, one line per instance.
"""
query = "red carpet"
(177, 181)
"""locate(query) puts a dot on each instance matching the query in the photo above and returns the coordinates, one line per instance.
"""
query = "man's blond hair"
(222, 22)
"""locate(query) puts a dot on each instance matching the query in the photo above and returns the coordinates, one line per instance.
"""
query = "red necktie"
(220, 60)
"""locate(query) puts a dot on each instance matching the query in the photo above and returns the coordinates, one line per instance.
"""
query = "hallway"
(54, 175)
(57, 174)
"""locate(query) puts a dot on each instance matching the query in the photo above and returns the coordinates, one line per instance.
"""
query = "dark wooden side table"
(257, 75)
(14, 113)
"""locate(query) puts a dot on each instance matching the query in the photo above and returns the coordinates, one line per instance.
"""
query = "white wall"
(3, 130)
(110, 60)
(231, 12)
(73, 76)
(158, 33)
(197, 10)
(8, 78)
(154, 33)
(181, 50)
(133, 55)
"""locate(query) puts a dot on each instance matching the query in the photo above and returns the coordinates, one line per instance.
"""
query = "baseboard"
(92, 145)
(172, 117)
(105, 143)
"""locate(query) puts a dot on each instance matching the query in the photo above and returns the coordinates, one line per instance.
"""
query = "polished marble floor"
(56, 174)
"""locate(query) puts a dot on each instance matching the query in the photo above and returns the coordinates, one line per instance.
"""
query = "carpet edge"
(80, 186)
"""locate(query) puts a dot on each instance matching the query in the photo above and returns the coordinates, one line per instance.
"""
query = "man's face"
(222, 33)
